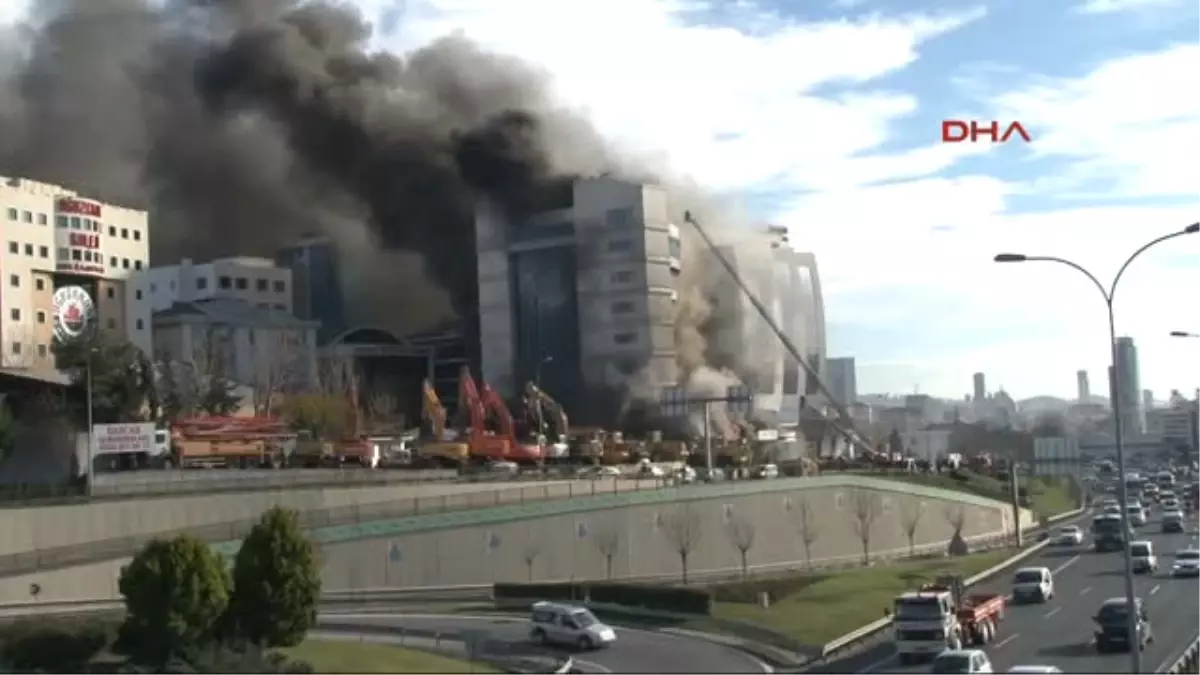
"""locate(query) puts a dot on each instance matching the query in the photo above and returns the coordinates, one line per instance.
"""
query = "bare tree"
(683, 530)
(607, 540)
(806, 528)
(865, 508)
(382, 410)
(911, 513)
(212, 364)
(278, 364)
(741, 534)
(530, 552)
(956, 515)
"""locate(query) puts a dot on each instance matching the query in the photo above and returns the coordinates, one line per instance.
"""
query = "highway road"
(1059, 632)
(635, 651)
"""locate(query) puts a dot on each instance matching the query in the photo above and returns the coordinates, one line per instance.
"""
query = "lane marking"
(1007, 640)
(593, 666)
(1052, 612)
(1065, 565)
(1155, 589)
(1085, 591)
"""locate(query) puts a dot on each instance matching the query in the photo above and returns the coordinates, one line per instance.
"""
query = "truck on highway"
(941, 616)
(1110, 532)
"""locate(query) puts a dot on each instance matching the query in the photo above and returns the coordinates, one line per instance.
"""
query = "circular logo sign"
(74, 312)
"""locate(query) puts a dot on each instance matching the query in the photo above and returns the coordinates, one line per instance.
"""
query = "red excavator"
(482, 446)
(519, 450)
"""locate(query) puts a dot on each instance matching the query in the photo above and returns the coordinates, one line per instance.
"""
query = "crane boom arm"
(434, 411)
(557, 412)
(783, 338)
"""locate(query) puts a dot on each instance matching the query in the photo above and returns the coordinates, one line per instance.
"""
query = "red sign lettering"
(957, 131)
(70, 205)
(81, 240)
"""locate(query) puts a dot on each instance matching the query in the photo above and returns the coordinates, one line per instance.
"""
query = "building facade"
(980, 387)
(316, 284)
(580, 297)
(256, 281)
(55, 238)
(843, 380)
(1126, 388)
(1084, 389)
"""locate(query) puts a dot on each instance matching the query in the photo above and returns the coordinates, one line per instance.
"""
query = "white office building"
(257, 281)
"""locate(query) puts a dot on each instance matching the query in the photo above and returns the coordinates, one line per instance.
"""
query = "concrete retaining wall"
(566, 546)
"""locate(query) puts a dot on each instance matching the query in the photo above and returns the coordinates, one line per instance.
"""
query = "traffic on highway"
(1053, 600)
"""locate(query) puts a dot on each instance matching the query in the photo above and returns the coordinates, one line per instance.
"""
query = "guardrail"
(856, 637)
(1188, 661)
(531, 490)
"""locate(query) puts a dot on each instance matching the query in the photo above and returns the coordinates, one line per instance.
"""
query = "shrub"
(276, 583)
(60, 645)
(776, 588)
(175, 594)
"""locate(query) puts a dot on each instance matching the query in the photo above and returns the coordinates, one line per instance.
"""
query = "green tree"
(276, 583)
(121, 383)
(176, 592)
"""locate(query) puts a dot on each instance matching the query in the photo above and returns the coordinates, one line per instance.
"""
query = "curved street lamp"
(1184, 334)
(1123, 492)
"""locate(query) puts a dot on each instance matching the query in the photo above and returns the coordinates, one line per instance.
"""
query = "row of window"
(15, 315)
(240, 283)
(42, 350)
(78, 255)
(73, 222)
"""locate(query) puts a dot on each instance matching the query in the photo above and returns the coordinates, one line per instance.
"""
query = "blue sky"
(824, 116)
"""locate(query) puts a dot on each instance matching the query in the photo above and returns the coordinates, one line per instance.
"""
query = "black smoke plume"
(243, 125)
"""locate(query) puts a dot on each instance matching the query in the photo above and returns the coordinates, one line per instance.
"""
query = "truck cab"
(1110, 532)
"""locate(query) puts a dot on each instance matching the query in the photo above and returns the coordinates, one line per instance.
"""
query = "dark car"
(1112, 625)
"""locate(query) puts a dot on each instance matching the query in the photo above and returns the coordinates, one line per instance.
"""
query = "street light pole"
(1123, 492)
(91, 448)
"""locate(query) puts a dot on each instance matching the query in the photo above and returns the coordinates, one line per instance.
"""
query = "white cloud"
(1114, 6)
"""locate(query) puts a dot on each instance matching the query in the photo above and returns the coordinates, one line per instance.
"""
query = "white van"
(1033, 584)
(560, 624)
(1144, 560)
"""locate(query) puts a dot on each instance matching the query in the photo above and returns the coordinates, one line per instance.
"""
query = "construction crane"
(846, 433)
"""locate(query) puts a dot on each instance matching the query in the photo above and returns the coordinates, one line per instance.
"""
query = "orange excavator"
(519, 450)
(482, 446)
(443, 446)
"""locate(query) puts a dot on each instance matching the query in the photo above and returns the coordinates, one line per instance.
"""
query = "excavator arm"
(557, 413)
(433, 409)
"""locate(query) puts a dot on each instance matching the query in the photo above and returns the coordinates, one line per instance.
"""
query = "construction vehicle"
(442, 446)
(231, 442)
(942, 616)
(519, 448)
(555, 448)
(599, 446)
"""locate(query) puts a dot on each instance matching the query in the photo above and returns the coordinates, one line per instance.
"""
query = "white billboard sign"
(119, 439)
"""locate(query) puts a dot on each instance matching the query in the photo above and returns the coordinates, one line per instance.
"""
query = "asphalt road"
(1059, 632)
(635, 651)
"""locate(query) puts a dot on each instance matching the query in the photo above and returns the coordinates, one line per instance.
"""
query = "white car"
(1071, 535)
(1172, 521)
(1034, 670)
(966, 661)
(1137, 515)
(560, 624)
(1171, 504)
(1144, 560)
(1187, 563)
(1033, 584)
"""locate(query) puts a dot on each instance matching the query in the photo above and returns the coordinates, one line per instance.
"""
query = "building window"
(624, 338)
(241, 284)
(622, 307)
(39, 284)
(27, 216)
(42, 220)
(260, 285)
(16, 347)
(137, 264)
(622, 277)
(41, 316)
(29, 249)
(620, 246)
(250, 336)
(112, 231)
(153, 288)
(44, 251)
(64, 253)
(14, 280)
(137, 235)
(280, 287)
(124, 232)
(112, 323)
(74, 222)
(13, 247)
(15, 314)
(12, 214)
(225, 283)
(282, 308)
(125, 263)
(201, 283)
(140, 325)
(110, 292)
(619, 218)
(41, 350)
(61, 221)
(138, 294)
(112, 262)
(76, 254)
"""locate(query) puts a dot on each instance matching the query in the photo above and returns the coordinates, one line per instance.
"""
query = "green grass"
(836, 604)
(1047, 495)
(347, 656)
